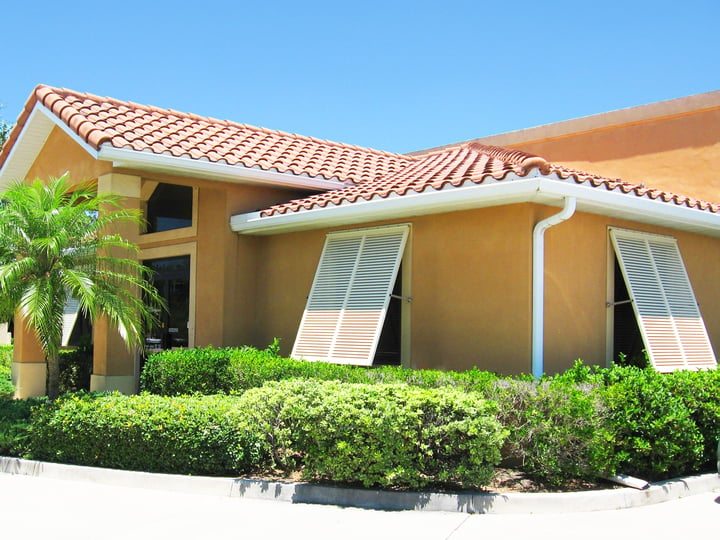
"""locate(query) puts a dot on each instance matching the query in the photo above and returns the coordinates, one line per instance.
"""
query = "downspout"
(538, 282)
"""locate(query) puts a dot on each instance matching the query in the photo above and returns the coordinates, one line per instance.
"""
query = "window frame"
(146, 191)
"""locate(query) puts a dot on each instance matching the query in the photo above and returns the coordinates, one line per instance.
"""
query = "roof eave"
(536, 188)
(41, 121)
(184, 166)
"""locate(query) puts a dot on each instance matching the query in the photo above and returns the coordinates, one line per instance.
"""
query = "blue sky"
(398, 76)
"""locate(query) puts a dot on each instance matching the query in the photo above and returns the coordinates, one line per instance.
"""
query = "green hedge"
(234, 370)
(559, 429)
(580, 424)
(14, 425)
(376, 435)
(189, 435)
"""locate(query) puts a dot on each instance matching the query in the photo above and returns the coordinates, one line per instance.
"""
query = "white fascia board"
(183, 166)
(32, 138)
(536, 188)
(430, 201)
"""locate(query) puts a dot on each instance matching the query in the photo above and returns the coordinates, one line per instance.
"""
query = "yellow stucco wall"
(576, 290)
(677, 153)
(61, 154)
(470, 287)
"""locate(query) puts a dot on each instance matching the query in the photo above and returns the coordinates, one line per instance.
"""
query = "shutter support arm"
(538, 282)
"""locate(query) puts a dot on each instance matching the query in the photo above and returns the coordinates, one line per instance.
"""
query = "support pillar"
(114, 366)
(28, 371)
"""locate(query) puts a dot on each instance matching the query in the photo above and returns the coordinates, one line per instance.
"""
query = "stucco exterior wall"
(469, 283)
(577, 258)
(676, 153)
(61, 154)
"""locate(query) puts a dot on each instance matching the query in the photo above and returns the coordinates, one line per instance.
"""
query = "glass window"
(169, 208)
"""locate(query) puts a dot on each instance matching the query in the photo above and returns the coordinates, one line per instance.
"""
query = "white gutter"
(538, 282)
(536, 188)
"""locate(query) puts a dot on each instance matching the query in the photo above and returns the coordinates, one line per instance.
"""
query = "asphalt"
(305, 493)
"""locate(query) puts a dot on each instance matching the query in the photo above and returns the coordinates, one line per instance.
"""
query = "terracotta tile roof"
(362, 173)
(105, 121)
(471, 163)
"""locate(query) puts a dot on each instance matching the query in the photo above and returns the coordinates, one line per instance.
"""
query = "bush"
(189, 435)
(700, 394)
(6, 359)
(376, 435)
(234, 370)
(654, 435)
(14, 425)
(558, 429)
(188, 371)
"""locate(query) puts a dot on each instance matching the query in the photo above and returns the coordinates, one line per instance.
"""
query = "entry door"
(171, 277)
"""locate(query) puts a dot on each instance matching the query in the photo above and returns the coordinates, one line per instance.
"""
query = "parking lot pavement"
(48, 508)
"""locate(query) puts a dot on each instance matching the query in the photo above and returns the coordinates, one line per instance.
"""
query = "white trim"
(535, 188)
(184, 166)
(62, 125)
(37, 129)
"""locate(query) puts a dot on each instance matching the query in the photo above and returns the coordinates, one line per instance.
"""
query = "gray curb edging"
(301, 492)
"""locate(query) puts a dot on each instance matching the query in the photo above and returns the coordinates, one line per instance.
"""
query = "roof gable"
(100, 123)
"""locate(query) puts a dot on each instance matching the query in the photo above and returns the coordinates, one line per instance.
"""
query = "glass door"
(171, 277)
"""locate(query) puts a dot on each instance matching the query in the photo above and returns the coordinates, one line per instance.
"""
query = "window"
(350, 294)
(169, 207)
(665, 308)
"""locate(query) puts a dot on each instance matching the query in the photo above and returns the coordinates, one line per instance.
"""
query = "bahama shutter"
(667, 313)
(70, 316)
(349, 298)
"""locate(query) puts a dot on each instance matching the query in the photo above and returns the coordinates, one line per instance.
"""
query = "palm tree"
(54, 245)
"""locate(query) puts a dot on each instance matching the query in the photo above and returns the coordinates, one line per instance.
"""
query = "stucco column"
(114, 367)
(29, 370)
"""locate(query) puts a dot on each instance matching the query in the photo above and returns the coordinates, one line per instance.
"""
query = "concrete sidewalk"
(41, 507)
(305, 493)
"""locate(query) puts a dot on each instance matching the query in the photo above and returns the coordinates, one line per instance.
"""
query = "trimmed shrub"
(189, 435)
(188, 371)
(376, 435)
(654, 435)
(700, 394)
(558, 429)
(214, 371)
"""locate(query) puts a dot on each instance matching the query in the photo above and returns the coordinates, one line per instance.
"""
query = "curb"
(301, 492)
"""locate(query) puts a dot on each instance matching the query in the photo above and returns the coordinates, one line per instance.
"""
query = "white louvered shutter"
(70, 315)
(349, 297)
(672, 327)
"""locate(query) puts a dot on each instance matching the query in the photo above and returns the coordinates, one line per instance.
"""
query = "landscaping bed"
(243, 412)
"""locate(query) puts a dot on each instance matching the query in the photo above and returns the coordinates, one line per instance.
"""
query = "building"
(480, 253)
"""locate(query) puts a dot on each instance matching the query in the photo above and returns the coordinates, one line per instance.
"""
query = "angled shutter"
(349, 297)
(667, 313)
(70, 315)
